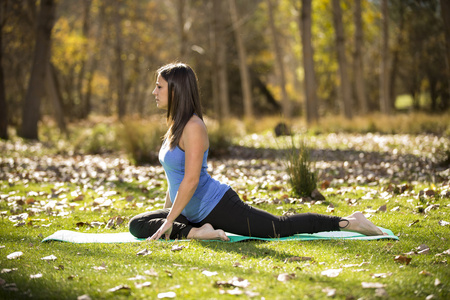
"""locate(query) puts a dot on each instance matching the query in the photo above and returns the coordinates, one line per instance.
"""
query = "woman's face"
(161, 92)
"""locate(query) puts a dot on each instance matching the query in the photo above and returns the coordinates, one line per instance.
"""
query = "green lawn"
(356, 173)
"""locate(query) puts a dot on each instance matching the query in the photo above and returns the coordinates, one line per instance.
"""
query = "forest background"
(289, 58)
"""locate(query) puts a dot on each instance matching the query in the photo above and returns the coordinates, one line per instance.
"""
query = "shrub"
(221, 136)
(302, 177)
(101, 138)
(141, 140)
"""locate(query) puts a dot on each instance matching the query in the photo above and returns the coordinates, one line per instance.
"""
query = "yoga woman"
(198, 206)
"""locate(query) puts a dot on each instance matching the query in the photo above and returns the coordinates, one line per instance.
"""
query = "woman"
(199, 207)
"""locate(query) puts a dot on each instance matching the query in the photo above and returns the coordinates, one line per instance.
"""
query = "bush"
(221, 136)
(302, 177)
(141, 140)
(96, 140)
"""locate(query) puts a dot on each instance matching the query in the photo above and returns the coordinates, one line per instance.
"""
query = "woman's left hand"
(166, 228)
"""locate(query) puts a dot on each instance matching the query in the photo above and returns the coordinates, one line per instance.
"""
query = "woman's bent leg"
(146, 224)
(233, 215)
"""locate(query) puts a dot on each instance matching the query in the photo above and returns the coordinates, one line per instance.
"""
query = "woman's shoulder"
(195, 124)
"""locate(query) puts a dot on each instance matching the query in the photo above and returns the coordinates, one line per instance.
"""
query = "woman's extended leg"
(235, 216)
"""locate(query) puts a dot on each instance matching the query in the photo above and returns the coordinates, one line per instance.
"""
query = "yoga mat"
(126, 237)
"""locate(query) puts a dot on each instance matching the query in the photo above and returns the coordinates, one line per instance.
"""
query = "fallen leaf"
(144, 252)
(285, 277)
(50, 257)
(425, 273)
(372, 285)
(100, 268)
(297, 258)
(151, 272)
(84, 297)
(119, 288)
(443, 223)
(208, 273)
(8, 270)
(381, 275)
(382, 208)
(142, 285)
(437, 282)
(14, 255)
(402, 259)
(39, 275)
(413, 223)
(137, 277)
(177, 248)
(167, 295)
(235, 291)
(330, 208)
(331, 272)
(330, 292)
(431, 207)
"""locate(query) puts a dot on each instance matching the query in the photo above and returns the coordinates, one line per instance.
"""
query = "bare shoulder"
(195, 132)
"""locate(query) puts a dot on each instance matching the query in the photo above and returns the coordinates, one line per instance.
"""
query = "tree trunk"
(311, 106)
(385, 102)
(55, 99)
(279, 61)
(3, 105)
(84, 98)
(213, 36)
(340, 45)
(445, 12)
(396, 55)
(181, 28)
(121, 103)
(360, 85)
(243, 68)
(32, 103)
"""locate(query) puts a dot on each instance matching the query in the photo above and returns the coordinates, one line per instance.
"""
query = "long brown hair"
(183, 99)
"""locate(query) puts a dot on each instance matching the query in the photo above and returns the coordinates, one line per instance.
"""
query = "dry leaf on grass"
(332, 272)
(208, 273)
(50, 257)
(402, 259)
(177, 248)
(372, 285)
(14, 255)
(297, 258)
(39, 275)
(142, 285)
(144, 252)
(119, 288)
(330, 292)
(285, 277)
(167, 295)
(151, 272)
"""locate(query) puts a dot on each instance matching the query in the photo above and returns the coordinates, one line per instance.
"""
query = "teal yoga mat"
(126, 237)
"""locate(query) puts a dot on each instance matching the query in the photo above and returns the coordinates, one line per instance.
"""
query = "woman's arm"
(194, 142)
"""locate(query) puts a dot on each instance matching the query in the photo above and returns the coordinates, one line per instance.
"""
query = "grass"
(75, 272)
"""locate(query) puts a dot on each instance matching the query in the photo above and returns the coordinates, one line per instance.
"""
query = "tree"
(312, 114)
(445, 12)
(287, 111)
(3, 104)
(346, 100)
(385, 105)
(31, 106)
(121, 103)
(220, 60)
(360, 86)
(243, 68)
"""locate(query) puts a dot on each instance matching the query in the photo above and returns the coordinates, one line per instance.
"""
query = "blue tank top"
(208, 193)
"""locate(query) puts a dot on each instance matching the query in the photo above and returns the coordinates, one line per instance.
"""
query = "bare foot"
(357, 222)
(207, 232)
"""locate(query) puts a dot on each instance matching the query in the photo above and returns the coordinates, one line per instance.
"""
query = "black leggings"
(232, 215)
